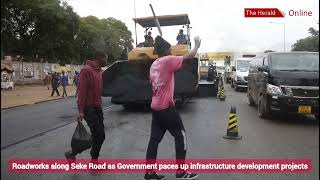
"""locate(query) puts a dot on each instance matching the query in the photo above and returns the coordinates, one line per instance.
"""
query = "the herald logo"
(273, 13)
(283, 13)
(263, 12)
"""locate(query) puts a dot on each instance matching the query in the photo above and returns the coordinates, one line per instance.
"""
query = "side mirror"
(233, 68)
(263, 68)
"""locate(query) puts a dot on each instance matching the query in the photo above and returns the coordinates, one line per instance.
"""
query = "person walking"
(54, 84)
(76, 78)
(47, 80)
(64, 83)
(164, 114)
(89, 103)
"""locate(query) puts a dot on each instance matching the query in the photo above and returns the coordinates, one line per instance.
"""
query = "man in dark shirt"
(64, 83)
(76, 79)
(148, 40)
(89, 103)
(55, 84)
(182, 38)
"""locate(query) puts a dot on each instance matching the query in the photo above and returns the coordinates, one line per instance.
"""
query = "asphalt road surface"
(127, 135)
(21, 123)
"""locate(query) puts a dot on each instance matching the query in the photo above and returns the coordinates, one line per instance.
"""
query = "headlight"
(271, 89)
(239, 78)
(288, 91)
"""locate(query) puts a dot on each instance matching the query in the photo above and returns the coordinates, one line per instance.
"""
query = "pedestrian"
(148, 42)
(76, 78)
(182, 38)
(47, 80)
(54, 84)
(89, 103)
(64, 83)
(164, 114)
(212, 73)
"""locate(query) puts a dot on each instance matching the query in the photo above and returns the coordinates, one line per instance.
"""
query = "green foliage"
(310, 43)
(51, 30)
(108, 35)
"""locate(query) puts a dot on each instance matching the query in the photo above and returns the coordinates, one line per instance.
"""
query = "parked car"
(284, 82)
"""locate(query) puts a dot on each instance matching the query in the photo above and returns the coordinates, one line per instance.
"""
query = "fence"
(35, 72)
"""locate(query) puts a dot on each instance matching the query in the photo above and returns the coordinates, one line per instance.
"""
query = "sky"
(220, 23)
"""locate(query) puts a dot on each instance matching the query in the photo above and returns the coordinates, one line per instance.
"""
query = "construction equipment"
(127, 81)
(203, 66)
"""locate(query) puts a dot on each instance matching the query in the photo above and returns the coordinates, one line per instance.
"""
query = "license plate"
(304, 109)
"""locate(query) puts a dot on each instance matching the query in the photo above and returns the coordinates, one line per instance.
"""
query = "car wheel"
(127, 106)
(262, 108)
(250, 100)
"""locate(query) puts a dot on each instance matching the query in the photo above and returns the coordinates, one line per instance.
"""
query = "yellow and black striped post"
(222, 95)
(233, 130)
(219, 88)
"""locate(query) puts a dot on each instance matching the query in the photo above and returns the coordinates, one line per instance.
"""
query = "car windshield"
(220, 68)
(295, 62)
(243, 65)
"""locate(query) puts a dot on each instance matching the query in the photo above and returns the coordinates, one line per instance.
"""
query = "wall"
(34, 73)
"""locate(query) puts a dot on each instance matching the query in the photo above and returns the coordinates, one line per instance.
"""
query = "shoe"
(70, 157)
(186, 175)
(154, 176)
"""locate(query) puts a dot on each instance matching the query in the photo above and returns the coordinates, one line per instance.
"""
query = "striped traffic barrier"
(233, 129)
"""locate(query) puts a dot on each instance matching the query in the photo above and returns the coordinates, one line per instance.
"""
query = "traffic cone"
(219, 87)
(232, 130)
(222, 96)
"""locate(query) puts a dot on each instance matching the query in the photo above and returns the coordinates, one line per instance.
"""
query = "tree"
(51, 30)
(108, 35)
(310, 43)
(43, 28)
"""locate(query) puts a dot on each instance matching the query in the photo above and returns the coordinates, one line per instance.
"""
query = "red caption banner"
(263, 12)
(140, 166)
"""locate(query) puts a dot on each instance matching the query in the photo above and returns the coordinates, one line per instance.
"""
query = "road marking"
(109, 107)
(46, 131)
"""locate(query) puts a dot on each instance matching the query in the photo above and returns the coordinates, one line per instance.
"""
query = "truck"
(212, 58)
(239, 74)
(220, 67)
(229, 62)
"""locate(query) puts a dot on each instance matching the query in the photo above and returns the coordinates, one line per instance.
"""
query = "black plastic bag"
(81, 139)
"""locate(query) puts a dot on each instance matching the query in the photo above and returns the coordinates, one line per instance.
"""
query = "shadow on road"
(294, 119)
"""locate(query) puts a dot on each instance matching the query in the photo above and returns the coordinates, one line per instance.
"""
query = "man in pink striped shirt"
(164, 115)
